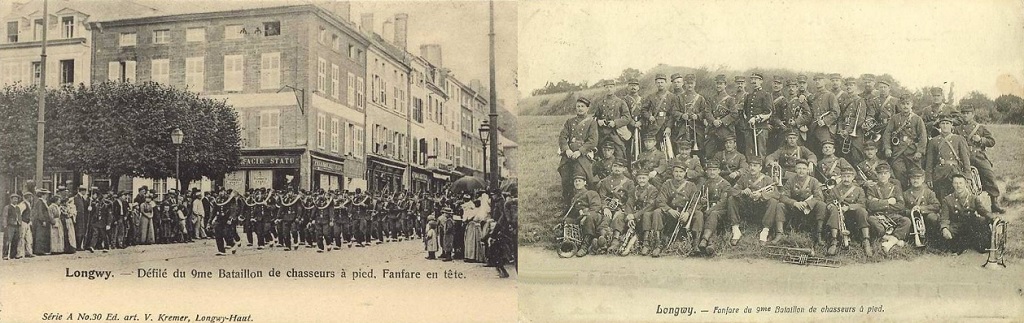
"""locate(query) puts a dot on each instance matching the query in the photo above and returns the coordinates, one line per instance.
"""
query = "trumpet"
(888, 224)
(997, 245)
(917, 220)
(777, 174)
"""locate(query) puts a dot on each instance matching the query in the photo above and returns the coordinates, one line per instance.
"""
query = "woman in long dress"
(55, 226)
(472, 231)
(41, 222)
(68, 216)
(146, 229)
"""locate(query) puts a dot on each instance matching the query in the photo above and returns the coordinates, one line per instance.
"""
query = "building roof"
(96, 10)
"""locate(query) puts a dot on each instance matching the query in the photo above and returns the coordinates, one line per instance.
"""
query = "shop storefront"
(277, 171)
(439, 180)
(328, 172)
(384, 174)
(419, 179)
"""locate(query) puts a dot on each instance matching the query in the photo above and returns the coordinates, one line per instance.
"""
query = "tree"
(983, 106)
(1011, 107)
(628, 74)
(17, 134)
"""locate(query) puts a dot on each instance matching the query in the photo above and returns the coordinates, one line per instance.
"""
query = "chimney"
(432, 53)
(366, 23)
(388, 31)
(444, 77)
(402, 30)
(342, 9)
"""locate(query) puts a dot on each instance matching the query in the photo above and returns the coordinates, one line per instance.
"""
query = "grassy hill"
(541, 208)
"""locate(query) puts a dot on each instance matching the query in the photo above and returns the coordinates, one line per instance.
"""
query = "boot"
(502, 272)
(817, 234)
(833, 249)
(866, 233)
(657, 241)
(646, 249)
(996, 208)
(778, 233)
(736, 235)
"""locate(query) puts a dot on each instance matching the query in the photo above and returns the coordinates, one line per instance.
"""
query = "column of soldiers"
(844, 160)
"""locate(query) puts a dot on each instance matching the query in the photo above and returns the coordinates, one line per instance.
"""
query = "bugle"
(917, 220)
(667, 142)
(628, 240)
(777, 174)
(997, 245)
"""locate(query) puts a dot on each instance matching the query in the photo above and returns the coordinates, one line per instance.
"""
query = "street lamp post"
(176, 137)
(485, 134)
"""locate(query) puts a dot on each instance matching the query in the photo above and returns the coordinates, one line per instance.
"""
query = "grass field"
(541, 210)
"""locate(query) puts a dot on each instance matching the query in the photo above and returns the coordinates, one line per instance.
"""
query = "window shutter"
(129, 71)
(113, 71)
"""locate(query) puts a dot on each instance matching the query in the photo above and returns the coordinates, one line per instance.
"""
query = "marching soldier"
(634, 101)
(731, 163)
(825, 112)
(778, 121)
(360, 205)
(904, 139)
(679, 193)
(586, 209)
(979, 139)
(788, 155)
(802, 201)
(852, 118)
(830, 166)
(920, 196)
(719, 118)
(886, 204)
(718, 197)
(933, 113)
(651, 161)
(645, 204)
(657, 109)
(289, 209)
(615, 189)
(847, 212)
(964, 220)
(948, 154)
(613, 119)
(757, 109)
(754, 194)
(576, 143)
(687, 120)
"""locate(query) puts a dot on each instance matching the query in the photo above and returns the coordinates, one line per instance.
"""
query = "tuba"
(571, 238)
(777, 174)
(997, 245)
(975, 181)
(628, 241)
(917, 220)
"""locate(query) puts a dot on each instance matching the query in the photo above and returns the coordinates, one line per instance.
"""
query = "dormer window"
(67, 27)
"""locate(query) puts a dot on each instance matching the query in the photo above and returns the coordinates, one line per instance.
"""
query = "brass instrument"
(692, 124)
(917, 220)
(997, 245)
(636, 140)
(571, 238)
(975, 181)
(777, 174)
(860, 172)
(753, 127)
(801, 256)
(691, 208)
(887, 224)
(628, 240)
(612, 203)
(838, 204)
(669, 150)
(873, 130)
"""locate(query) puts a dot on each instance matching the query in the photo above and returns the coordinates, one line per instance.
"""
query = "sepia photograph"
(258, 161)
(796, 161)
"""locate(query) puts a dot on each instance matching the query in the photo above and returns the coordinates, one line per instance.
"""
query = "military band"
(845, 161)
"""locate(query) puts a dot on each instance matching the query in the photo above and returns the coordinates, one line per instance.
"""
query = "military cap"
(791, 82)
(690, 78)
(650, 136)
(834, 76)
(755, 160)
(802, 161)
(870, 147)
(585, 101)
(15, 195)
(619, 162)
(828, 142)
(819, 76)
(756, 75)
(916, 172)
(42, 191)
(642, 171)
(608, 144)
(778, 79)
(634, 81)
(801, 78)
(684, 143)
(580, 176)
(906, 97)
(884, 82)
(966, 108)
(720, 78)
(848, 171)
(712, 164)
(883, 167)
(791, 132)
(868, 77)
(850, 80)
(675, 76)
(679, 164)
(740, 79)
(729, 136)
(659, 76)
(936, 91)
(946, 118)
(81, 187)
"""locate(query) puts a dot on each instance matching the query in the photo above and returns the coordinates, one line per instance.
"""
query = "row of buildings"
(322, 102)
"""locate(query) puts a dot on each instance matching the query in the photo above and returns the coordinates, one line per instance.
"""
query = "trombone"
(667, 142)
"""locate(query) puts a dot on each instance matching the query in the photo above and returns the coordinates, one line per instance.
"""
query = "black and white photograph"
(796, 161)
(258, 161)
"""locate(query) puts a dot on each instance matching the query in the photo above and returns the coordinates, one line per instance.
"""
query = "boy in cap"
(802, 201)
(645, 203)
(886, 204)
(904, 140)
(948, 154)
(850, 213)
(719, 118)
(576, 143)
(979, 139)
(754, 194)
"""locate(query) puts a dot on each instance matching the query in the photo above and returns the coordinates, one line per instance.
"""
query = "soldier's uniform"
(678, 194)
(867, 168)
(824, 107)
(879, 206)
(831, 166)
(721, 108)
(780, 114)
(757, 104)
(690, 164)
(886, 105)
(967, 220)
(730, 161)
(616, 188)
(633, 102)
(947, 155)
(587, 212)
(796, 115)
(286, 221)
(656, 112)
(717, 197)
(933, 113)
(603, 163)
(807, 189)
(855, 217)
(611, 114)
(652, 160)
(904, 141)
(579, 134)
(787, 157)
(852, 116)
(979, 158)
(687, 121)
(924, 198)
(645, 204)
(740, 95)
(763, 210)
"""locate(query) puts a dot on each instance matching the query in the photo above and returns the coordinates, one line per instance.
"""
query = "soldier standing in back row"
(633, 102)
(611, 114)
(780, 107)
(933, 113)
(688, 123)
(825, 112)
(720, 118)
(657, 108)
(979, 139)
(757, 109)
(904, 140)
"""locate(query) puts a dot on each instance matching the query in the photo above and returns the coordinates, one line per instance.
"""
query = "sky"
(461, 28)
(977, 45)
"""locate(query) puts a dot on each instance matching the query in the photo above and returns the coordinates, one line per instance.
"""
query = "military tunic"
(831, 166)
(851, 122)
(853, 196)
(824, 107)
(909, 130)
(722, 108)
(616, 189)
(967, 220)
(729, 162)
(586, 211)
(645, 203)
(757, 103)
(787, 156)
(615, 114)
(579, 134)
(979, 158)
(804, 189)
(878, 205)
(692, 103)
(651, 160)
(677, 194)
(717, 197)
(767, 205)
(656, 113)
(946, 155)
